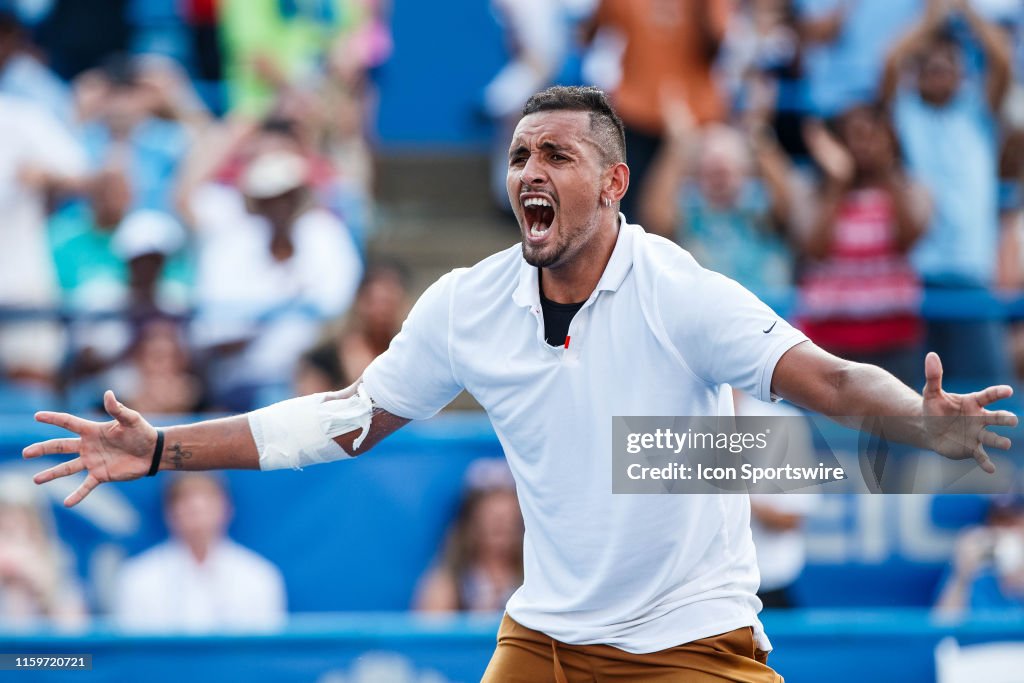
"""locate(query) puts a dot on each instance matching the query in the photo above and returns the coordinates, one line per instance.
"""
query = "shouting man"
(590, 318)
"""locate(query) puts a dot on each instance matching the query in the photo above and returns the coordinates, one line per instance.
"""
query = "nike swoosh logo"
(770, 328)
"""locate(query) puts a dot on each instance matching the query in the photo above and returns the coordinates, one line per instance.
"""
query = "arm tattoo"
(179, 456)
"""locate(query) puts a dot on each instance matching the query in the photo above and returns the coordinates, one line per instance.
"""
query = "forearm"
(819, 242)
(857, 395)
(223, 444)
(659, 204)
(993, 41)
(868, 398)
(998, 55)
(775, 170)
(955, 596)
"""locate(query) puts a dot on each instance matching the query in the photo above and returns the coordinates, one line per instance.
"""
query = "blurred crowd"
(187, 193)
(855, 152)
(187, 201)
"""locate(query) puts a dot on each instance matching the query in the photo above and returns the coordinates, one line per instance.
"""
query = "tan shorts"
(527, 656)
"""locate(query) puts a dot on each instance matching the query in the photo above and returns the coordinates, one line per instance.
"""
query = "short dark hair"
(604, 122)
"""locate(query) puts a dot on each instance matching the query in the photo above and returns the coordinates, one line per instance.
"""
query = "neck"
(576, 280)
(199, 550)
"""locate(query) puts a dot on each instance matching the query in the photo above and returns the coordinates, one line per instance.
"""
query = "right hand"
(119, 450)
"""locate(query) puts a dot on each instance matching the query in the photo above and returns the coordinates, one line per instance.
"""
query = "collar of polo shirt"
(527, 293)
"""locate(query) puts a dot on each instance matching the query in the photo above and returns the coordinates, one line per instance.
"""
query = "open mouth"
(539, 214)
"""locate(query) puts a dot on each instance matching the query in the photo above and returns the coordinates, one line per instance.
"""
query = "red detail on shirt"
(566, 341)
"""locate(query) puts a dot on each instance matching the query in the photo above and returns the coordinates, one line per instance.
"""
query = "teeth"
(536, 201)
(537, 232)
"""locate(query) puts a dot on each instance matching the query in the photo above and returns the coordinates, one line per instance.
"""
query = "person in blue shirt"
(946, 120)
(988, 564)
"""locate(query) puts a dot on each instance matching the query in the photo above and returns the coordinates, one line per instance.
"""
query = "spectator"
(23, 75)
(670, 48)
(988, 563)
(157, 372)
(763, 51)
(199, 580)
(859, 295)
(81, 234)
(37, 587)
(933, 101)
(139, 114)
(152, 244)
(482, 563)
(381, 305)
(272, 266)
(37, 159)
(112, 264)
(726, 197)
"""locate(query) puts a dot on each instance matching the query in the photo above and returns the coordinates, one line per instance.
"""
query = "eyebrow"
(546, 146)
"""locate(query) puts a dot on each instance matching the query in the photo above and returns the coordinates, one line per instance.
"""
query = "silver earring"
(607, 202)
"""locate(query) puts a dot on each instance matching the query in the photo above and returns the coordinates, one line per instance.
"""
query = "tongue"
(540, 217)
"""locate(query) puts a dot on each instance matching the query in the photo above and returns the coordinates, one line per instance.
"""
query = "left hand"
(963, 434)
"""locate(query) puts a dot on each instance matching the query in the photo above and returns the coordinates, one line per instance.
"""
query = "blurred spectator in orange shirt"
(670, 49)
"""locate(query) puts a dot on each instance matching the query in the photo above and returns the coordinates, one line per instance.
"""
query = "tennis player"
(588, 318)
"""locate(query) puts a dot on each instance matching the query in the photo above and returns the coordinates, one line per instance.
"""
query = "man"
(934, 95)
(590, 318)
(210, 583)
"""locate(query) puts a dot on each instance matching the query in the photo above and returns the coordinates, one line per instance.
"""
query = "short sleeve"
(723, 333)
(414, 378)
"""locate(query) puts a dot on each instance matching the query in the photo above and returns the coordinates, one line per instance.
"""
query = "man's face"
(200, 512)
(282, 210)
(940, 75)
(554, 182)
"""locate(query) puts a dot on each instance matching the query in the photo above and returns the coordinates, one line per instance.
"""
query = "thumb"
(932, 375)
(117, 410)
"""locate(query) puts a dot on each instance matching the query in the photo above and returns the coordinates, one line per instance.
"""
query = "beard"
(544, 258)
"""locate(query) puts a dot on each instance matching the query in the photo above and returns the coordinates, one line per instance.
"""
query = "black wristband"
(157, 453)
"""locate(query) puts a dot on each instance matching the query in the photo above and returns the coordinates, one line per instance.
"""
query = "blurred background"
(210, 205)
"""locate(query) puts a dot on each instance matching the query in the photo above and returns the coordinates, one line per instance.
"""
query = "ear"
(616, 182)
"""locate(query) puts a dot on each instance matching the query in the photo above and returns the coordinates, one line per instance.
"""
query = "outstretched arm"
(869, 398)
(122, 449)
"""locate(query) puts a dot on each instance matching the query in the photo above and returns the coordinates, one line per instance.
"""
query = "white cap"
(148, 232)
(274, 173)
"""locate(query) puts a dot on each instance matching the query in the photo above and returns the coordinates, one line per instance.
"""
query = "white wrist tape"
(300, 431)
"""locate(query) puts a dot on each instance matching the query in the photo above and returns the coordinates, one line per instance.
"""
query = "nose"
(533, 172)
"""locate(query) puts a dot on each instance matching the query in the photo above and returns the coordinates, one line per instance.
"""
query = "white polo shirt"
(659, 336)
